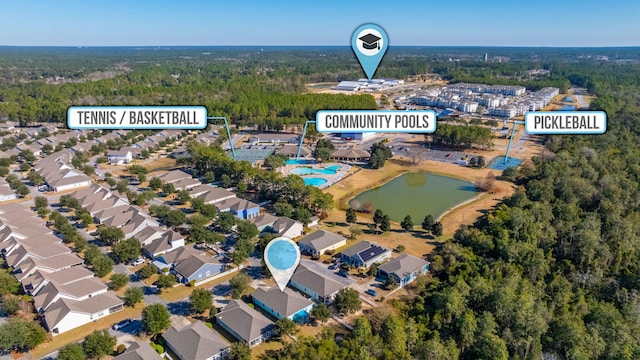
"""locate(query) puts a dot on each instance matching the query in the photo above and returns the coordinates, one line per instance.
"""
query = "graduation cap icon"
(370, 41)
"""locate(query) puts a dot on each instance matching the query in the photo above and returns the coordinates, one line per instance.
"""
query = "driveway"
(324, 270)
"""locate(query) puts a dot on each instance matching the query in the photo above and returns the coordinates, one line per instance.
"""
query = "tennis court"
(254, 154)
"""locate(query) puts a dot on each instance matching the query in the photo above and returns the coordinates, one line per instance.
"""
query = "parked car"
(344, 273)
(121, 324)
(371, 292)
(137, 261)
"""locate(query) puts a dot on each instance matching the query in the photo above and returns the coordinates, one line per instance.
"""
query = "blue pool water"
(313, 181)
(568, 99)
(567, 108)
(329, 170)
(282, 254)
(300, 162)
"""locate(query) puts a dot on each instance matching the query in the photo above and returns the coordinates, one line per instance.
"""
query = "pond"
(417, 194)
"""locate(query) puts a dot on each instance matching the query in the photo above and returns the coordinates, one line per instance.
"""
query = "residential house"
(214, 195)
(111, 202)
(52, 264)
(196, 342)
(288, 228)
(241, 208)
(33, 283)
(318, 286)
(186, 184)
(172, 258)
(60, 176)
(244, 323)
(156, 241)
(76, 290)
(66, 314)
(404, 269)
(138, 221)
(6, 193)
(119, 157)
(135, 151)
(40, 247)
(118, 219)
(283, 304)
(197, 268)
(264, 221)
(321, 241)
(173, 176)
(67, 179)
(139, 350)
(35, 148)
(364, 254)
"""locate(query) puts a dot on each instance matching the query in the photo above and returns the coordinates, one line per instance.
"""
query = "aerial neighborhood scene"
(253, 187)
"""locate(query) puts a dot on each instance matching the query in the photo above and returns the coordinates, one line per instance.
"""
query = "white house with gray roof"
(321, 241)
(244, 323)
(119, 157)
(319, 287)
(288, 227)
(66, 314)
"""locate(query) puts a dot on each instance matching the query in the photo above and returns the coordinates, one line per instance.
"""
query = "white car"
(137, 261)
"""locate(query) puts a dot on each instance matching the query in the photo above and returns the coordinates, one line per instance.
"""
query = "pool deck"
(331, 178)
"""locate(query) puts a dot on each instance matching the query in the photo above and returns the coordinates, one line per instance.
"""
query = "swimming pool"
(314, 181)
(300, 162)
(329, 170)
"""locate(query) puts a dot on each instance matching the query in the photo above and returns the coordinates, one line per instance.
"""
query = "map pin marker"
(282, 257)
(369, 42)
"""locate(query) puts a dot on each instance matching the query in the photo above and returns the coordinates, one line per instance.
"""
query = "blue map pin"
(369, 42)
(282, 257)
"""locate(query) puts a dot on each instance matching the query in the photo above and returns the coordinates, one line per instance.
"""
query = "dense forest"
(255, 86)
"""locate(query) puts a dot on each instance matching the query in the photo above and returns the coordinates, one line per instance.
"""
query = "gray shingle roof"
(403, 265)
(321, 239)
(139, 350)
(364, 250)
(284, 303)
(316, 282)
(195, 341)
(245, 321)
(189, 266)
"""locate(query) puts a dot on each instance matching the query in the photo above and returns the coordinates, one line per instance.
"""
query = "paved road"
(578, 94)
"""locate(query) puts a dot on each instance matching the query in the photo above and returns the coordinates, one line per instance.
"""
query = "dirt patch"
(159, 164)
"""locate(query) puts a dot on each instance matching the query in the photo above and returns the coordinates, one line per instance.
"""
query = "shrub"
(158, 348)
(120, 349)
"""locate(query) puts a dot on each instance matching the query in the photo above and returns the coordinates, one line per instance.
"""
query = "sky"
(574, 23)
